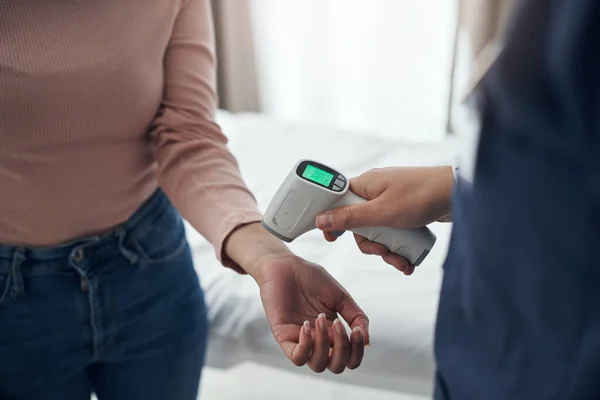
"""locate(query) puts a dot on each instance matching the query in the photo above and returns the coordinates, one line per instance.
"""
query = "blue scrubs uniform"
(519, 312)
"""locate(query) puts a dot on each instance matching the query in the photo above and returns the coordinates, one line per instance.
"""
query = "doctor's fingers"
(372, 248)
(352, 216)
(400, 263)
(332, 236)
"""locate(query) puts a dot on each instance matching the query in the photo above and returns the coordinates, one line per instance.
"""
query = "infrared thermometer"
(312, 188)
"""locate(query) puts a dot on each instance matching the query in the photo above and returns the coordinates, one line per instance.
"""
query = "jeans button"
(79, 255)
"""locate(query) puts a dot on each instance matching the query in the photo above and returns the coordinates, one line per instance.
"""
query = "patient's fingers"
(331, 338)
(320, 355)
(357, 348)
(354, 315)
(341, 349)
(301, 352)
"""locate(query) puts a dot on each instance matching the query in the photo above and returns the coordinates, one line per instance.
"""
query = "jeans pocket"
(164, 240)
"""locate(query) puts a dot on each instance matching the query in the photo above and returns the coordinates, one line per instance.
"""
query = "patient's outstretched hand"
(302, 301)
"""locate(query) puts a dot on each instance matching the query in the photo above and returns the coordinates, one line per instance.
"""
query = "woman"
(106, 129)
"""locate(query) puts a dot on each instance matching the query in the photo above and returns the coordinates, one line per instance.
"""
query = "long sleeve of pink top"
(196, 170)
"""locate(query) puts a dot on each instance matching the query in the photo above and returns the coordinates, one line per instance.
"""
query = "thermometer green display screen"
(317, 175)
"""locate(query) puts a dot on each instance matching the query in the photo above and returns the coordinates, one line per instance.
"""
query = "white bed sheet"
(401, 309)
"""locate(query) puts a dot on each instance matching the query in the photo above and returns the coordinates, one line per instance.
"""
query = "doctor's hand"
(399, 197)
(302, 302)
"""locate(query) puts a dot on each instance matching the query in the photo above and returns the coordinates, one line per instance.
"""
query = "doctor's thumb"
(348, 217)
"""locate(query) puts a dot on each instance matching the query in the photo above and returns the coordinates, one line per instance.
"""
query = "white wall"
(381, 65)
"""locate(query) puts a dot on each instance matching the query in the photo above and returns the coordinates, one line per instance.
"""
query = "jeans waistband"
(141, 220)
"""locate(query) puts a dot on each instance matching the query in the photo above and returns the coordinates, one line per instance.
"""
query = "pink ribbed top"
(102, 102)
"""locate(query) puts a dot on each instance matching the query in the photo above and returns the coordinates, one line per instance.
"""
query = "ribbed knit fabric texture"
(100, 103)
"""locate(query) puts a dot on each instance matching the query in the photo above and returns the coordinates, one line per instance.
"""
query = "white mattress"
(401, 309)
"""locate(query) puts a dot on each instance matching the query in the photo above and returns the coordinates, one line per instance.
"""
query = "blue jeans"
(121, 315)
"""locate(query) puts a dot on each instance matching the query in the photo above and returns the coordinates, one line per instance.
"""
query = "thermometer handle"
(412, 244)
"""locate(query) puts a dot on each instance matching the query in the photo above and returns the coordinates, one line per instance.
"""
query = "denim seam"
(91, 305)
(6, 288)
(174, 254)
(93, 322)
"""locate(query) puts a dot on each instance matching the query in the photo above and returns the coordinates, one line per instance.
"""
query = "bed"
(401, 309)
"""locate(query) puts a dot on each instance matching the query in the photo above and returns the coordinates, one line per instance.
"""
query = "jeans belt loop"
(130, 255)
(18, 285)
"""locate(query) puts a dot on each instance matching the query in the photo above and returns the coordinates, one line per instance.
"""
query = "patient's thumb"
(347, 217)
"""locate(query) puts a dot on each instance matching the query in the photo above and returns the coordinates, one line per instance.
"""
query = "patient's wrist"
(250, 246)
